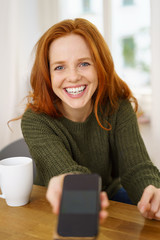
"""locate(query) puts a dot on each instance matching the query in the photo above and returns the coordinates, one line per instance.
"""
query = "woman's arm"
(49, 147)
(137, 172)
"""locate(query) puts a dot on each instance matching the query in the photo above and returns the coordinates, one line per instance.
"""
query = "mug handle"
(2, 196)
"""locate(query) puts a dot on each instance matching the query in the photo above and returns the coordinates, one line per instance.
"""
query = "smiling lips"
(75, 91)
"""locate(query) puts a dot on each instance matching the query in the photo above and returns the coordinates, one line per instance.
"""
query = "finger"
(54, 192)
(155, 202)
(103, 214)
(49, 192)
(149, 214)
(143, 208)
(104, 200)
(146, 212)
(157, 215)
(148, 194)
(56, 204)
(155, 205)
(52, 196)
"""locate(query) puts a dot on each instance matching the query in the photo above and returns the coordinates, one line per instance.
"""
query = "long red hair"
(110, 87)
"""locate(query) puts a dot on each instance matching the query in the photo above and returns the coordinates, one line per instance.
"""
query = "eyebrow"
(79, 60)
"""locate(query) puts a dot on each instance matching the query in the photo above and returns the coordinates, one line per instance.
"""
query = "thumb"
(143, 207)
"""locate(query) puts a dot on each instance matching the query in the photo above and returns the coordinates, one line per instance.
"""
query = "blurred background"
(131, 29)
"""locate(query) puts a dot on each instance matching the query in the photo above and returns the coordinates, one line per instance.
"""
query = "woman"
(79, 119)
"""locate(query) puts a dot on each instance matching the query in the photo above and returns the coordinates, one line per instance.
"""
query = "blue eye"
(85, 64)
(59, 68)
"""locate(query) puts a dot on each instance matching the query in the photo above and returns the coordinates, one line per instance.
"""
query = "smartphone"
(80, 205)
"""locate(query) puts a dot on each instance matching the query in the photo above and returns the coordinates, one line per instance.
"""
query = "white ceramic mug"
(16, 180)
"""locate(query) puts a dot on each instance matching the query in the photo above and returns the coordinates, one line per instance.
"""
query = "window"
(128, 2)
(128, 49)
(131, 43)
(86, 5)
(88, 9)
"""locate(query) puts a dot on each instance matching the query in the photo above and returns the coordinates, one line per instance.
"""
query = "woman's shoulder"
(125, 105)
(30, 114)
(37, 119)
(123, 113)
(39, 123)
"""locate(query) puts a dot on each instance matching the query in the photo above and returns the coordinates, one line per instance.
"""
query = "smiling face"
(73, 73)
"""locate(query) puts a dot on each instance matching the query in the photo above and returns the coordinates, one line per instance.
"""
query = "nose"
(73, 75)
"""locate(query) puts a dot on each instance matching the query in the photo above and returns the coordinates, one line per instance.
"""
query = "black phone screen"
(79, 211)
(79, 202)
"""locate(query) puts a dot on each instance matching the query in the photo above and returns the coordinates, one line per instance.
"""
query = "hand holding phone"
(79, 207)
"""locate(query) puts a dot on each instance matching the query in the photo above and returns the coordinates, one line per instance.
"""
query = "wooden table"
(36, 221)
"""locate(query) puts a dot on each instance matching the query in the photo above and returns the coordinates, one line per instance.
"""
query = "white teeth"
(76, 90)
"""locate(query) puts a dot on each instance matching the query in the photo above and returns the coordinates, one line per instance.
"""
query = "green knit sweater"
(119, 156)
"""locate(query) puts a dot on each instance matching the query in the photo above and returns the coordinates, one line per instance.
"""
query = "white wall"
(22, 22)
(155, 116)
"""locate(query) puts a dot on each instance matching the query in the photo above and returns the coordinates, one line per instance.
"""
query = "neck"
(77, 115)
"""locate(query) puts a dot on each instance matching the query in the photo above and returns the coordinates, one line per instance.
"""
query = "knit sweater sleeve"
(48, 146)
(135, 167)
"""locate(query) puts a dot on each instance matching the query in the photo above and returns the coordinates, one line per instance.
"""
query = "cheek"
(95, 80)
(95, 77)
(56, 83)
(52, 83)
